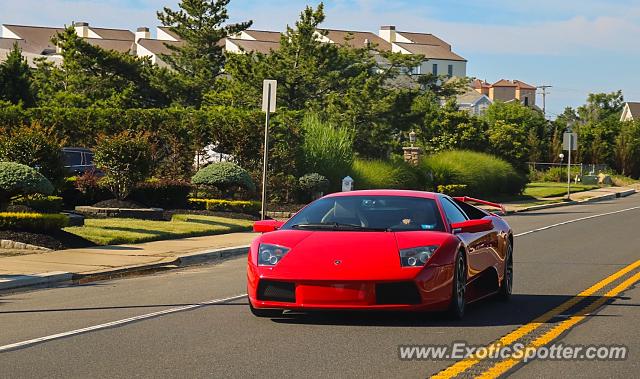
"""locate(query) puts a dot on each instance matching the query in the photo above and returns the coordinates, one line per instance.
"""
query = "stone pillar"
(412, 154)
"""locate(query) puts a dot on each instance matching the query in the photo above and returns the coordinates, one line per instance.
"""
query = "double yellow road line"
(503, 366)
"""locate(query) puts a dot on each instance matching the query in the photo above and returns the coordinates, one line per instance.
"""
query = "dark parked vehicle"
(78, 160)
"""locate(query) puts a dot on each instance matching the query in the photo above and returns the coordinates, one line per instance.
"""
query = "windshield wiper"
(338, 226)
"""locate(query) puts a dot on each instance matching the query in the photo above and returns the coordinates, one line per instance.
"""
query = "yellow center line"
(503, 366)
(463, 365)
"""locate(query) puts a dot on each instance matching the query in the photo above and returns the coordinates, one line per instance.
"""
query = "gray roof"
(634, 109)
(431, 51)
(470, 97)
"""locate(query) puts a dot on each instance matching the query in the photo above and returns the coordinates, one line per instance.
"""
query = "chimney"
(142, 32)
(82, 29)
(366, 43)
(388, 33)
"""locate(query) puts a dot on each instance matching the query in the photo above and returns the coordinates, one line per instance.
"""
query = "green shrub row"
(240, 206)
(40, 203)
(35, 222)
(453, 189)
(483, 174)
(167, 194)
(377, 174)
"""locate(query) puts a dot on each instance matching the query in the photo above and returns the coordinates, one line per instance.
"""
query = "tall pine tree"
(200, 58)
(15, 78)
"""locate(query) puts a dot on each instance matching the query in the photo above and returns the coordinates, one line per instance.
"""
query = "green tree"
(125, 159)
(16, 78)
(525, 132)
(200, 59)
(92, 76)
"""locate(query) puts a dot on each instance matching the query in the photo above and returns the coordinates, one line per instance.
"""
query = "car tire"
(459, 287)
(506, 286)
(259, 312)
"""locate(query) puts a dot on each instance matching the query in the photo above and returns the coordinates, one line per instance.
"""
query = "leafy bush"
(327, 150)
(126, 160)
(483, 174)
(225, 176)
(312, 184)
(453, 189)
(83, 190)
(168, 194)
(35, 222)
(240, 206)
(554, 174)
(377, 174)
(36, 147)
(41, 203)
(19, 180)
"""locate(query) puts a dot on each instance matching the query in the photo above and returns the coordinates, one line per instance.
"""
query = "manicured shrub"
(483, 174)
(224, 176)
(377, 174)
(554, 174)
(34, 222)
(327, 150)
(83, 190)
(41, 203)
(168, 194)
(453, 189)
(36, 147)
(19, 180)
(240, 206)
(125, 159)
(313, 184)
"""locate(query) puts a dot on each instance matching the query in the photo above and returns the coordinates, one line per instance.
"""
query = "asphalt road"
(224, 340)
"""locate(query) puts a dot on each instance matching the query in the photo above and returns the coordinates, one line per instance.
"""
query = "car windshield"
(369, 213)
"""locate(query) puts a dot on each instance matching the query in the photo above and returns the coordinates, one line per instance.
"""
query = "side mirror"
(472, 226)
(266, 226)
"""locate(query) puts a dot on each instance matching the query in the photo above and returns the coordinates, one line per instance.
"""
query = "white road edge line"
(576, 220)
(34, 341)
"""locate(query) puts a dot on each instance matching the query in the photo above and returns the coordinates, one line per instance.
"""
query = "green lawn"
(550, 189)
(113, 231)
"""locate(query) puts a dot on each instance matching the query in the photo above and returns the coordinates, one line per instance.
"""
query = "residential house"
(507, 91)
(630, 112)
(439, 57)
(473, 102)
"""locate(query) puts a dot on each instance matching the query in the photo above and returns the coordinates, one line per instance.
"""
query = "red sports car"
(381, 250)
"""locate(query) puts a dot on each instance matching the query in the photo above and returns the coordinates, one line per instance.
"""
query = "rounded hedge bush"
(483, 174)
(224, 176)
(18, 180)
(313, 183)
(377, 174)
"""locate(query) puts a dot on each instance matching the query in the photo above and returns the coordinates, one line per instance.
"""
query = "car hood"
(344, 255)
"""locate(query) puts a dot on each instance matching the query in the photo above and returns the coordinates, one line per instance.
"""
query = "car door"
(478, 244)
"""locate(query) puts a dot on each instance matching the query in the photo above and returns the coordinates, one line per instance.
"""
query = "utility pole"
(544, 97)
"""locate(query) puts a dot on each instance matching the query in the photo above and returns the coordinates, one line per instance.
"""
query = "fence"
(584, 168)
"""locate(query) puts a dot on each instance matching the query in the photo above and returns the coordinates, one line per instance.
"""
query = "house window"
(450, 70)
(415, 70)
(526, 101)
(435, 69)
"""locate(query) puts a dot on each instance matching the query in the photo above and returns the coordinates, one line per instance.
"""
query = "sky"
(576, 46)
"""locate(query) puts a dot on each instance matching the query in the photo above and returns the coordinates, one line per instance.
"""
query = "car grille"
(269, 290)
(397, 293)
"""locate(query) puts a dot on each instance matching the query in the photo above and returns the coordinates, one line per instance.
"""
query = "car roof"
(386, 192)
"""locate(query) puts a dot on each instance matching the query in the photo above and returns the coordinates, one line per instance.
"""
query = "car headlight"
(270, 255)
(416, 256)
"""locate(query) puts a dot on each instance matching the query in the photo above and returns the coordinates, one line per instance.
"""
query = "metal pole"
(266, 153)
(569, 170)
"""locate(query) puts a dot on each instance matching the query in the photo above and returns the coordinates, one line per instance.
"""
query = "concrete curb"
(184, 260)
(20, 281)
(609, 196)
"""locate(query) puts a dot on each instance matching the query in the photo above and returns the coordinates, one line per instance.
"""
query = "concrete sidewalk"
(598, 194)
(56, 266)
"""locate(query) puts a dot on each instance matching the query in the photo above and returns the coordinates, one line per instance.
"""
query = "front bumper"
(429, 290)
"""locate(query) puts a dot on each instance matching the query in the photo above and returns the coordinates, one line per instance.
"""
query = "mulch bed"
(56, 240)
(113, 203)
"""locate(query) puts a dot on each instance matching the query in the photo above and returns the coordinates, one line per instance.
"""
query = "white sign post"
(268, 107)
(569, 143)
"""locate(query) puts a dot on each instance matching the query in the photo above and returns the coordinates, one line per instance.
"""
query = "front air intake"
(269, 290)
(399, 293)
